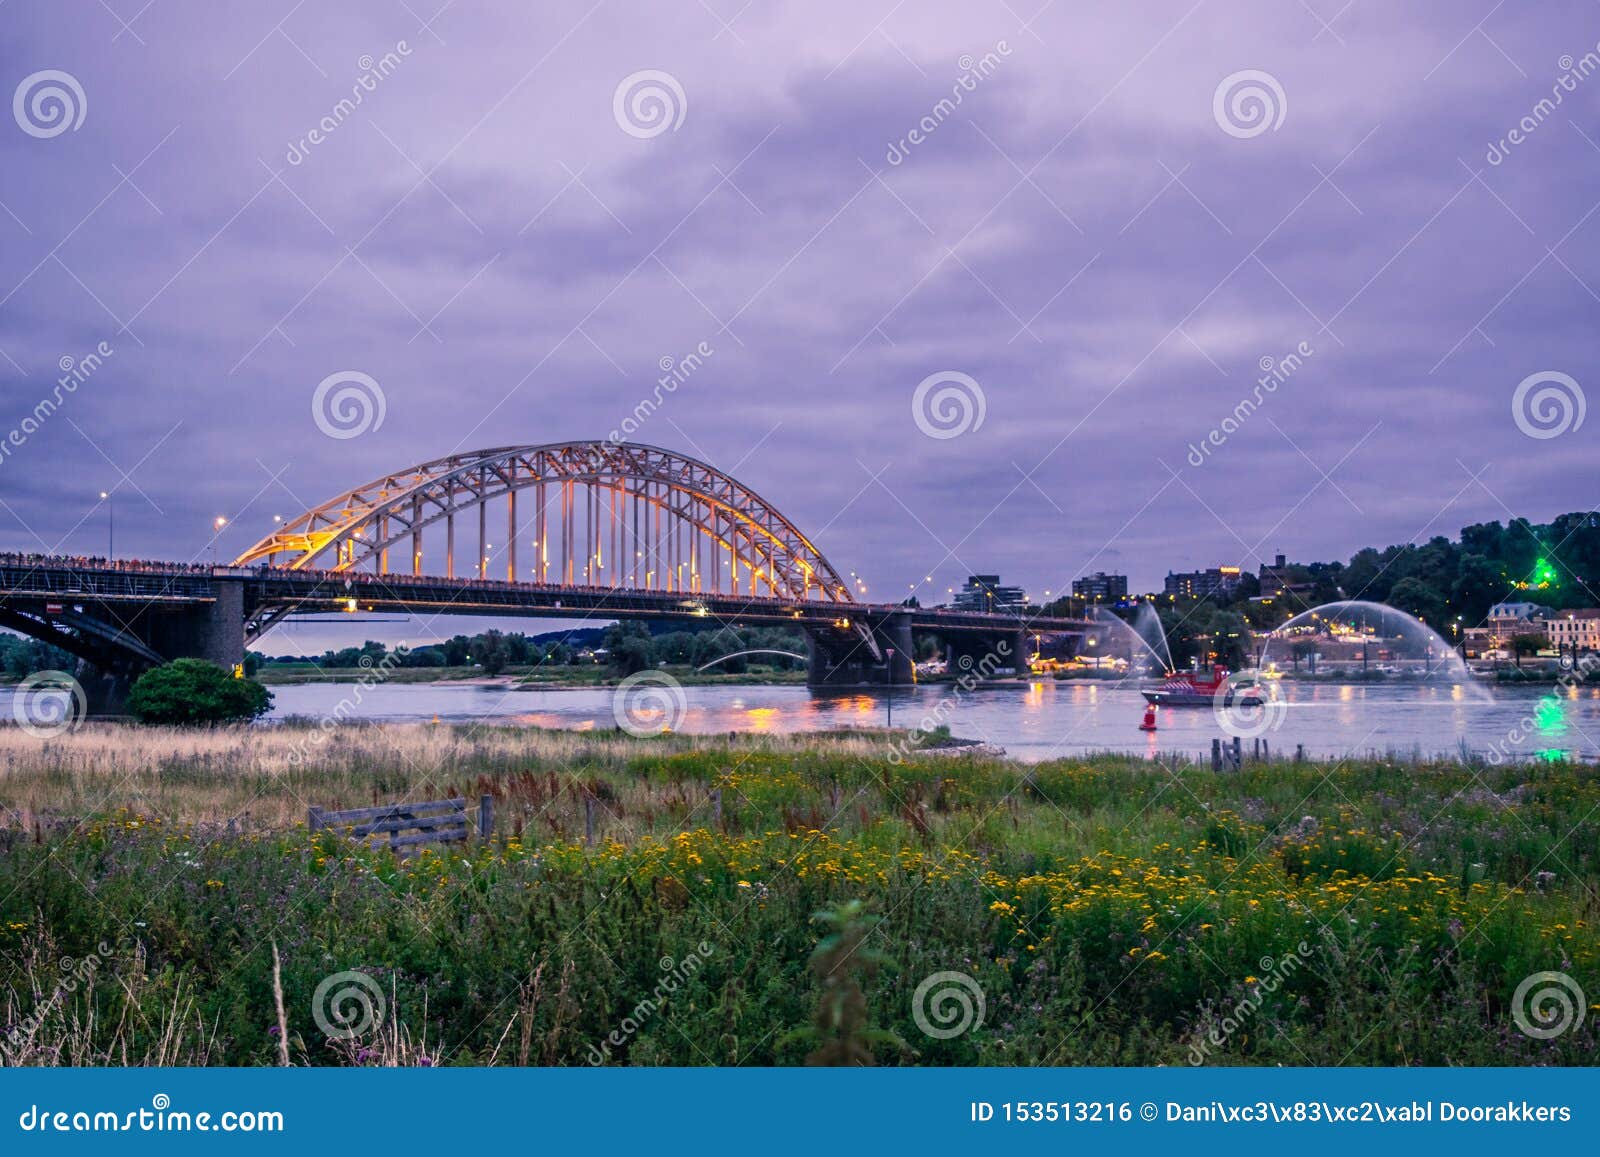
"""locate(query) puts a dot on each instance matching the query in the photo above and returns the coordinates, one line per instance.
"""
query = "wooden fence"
(405, 825)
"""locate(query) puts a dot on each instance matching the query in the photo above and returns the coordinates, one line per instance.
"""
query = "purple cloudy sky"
(1083, 236)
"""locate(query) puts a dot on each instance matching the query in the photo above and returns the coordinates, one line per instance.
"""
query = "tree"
(490, 651)
(1527, 645)
(630, 647)
(194, 691)
(1414, 596)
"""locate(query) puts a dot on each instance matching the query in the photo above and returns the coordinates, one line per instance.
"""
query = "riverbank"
(1108, 910)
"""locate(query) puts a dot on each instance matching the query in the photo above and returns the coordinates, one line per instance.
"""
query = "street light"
(111, 523)
(217, 524)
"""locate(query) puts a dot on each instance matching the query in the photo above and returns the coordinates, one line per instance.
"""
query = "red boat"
(1200, 689)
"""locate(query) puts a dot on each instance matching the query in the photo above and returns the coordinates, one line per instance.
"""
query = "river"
(1040, 720)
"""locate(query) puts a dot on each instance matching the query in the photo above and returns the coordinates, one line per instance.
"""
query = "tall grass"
(1110, 910)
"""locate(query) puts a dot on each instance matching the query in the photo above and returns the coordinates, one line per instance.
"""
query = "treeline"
(622, 647)
(21, 656)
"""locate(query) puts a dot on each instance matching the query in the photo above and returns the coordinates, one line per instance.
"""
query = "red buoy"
(1149, 723)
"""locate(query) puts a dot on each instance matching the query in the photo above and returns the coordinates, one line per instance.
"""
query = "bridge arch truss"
(591, 514)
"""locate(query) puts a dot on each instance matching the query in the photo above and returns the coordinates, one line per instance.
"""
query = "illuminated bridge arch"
(603, 515)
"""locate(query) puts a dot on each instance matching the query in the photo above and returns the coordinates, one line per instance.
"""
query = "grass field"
(1100, 911)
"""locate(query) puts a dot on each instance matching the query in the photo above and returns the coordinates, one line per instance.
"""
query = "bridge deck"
(26, 580)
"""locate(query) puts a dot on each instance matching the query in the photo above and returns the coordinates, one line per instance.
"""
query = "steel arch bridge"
(604, 515)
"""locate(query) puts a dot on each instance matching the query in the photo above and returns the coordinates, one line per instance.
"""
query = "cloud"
(1078, 235)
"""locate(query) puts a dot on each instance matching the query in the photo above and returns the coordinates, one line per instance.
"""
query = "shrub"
(191, 691)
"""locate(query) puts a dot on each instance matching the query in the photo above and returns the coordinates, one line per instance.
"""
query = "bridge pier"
(986, 656)
(841, 657)
(212, 630)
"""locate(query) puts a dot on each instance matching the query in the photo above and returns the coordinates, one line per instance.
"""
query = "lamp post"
(217, 524)
(111, 523)
(889, 687)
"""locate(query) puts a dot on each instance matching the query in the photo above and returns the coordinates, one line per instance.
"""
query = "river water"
(1040, 720)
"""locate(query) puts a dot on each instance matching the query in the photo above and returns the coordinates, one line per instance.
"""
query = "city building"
(1281, 577)
(1100, 587)
(1217, 582)
(983, 592)
(1504, 622)
(1574, 630)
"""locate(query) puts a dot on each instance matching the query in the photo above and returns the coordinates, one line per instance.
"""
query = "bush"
(190, 691)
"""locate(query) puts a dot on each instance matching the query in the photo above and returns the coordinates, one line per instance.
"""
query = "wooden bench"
(440, 821)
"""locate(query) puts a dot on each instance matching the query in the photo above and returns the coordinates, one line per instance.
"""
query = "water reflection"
(1039, 720)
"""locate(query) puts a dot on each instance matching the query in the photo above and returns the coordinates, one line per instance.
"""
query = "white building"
(1574, 629)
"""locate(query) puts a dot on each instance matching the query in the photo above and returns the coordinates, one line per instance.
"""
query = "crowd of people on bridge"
(39, 560)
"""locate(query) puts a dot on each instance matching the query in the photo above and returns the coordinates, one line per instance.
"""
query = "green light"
(1549, 717)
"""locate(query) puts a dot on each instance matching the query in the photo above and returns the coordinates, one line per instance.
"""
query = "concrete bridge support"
(842, 657)
(210, 630)
(983, 656)
(213, 630)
